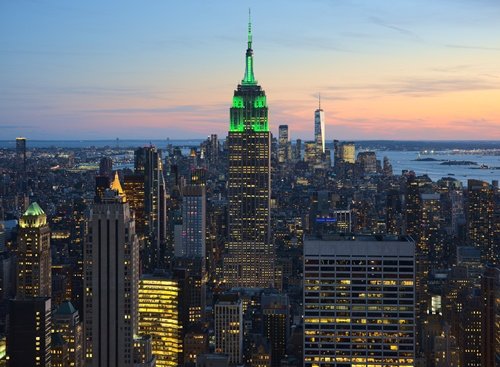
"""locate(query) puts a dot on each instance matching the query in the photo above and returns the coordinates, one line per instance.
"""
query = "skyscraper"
(480, 220)
(148, 163)
(29, 334)
(34, 260)
(490, 289)
(250, 259)
(66, 322)
(159, 317)
(106, 167)
(283, 144)
(111, 267)
(319, 129)
(276, 324)
(228, 314)
(193, 223)
(359, 302)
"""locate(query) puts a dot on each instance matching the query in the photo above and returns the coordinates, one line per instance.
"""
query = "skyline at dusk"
(408, 70)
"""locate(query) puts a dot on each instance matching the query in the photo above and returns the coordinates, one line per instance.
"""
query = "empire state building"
(249, 260)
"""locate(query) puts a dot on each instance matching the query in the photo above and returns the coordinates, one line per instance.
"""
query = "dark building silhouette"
(29, 332)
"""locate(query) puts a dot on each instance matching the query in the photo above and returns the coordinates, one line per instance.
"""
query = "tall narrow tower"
(111, 264)
(249, 260)
(319, 128)
(34, 264)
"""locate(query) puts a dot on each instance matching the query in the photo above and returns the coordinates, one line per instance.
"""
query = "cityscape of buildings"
(252, 250)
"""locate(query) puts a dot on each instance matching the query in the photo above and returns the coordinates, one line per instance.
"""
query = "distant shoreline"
(361, 145)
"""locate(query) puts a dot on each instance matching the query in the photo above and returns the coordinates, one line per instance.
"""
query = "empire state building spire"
(249, 259)
(249, 78)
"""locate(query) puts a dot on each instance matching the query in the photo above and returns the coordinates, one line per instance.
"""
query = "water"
(406, 161)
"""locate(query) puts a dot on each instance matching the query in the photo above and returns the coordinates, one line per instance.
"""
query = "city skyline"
(411, 70)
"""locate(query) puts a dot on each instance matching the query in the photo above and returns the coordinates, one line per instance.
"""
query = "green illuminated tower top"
(249, 109)
(249, 78)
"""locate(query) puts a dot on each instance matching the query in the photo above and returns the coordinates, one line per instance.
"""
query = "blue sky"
(157, 68)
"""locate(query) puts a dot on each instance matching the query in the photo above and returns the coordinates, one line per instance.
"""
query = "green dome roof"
(34, 210)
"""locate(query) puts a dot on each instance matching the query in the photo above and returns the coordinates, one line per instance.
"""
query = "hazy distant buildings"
(249, 261)
(106, 167)
(345, 152)
(283, 144)
(21, 166)
(359, 302)
(367, 162)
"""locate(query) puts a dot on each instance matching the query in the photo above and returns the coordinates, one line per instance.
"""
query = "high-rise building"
(21, 153)
(193, 223)
(29, 332)
(470, 333)
(111, 267)
(347, 152)
(102, 183)
(148, 163)
(250, 256)
(310, 152)
(297, 151)
(213, 149)
(106, 167)
(490, 289)
(66, 322)
(413, 205)
(319, 129)
(190, 274)
(133, 186)
(394, 212)
(359, 302)
(480, 220)
(228, 314)
(367, 162)
(34, 259)
(276, 324)
(159, 317)
(283, 144)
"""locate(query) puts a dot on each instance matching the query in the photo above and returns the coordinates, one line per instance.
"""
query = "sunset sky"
(386, 69)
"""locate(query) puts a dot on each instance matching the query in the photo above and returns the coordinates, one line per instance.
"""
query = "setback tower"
(249, 260)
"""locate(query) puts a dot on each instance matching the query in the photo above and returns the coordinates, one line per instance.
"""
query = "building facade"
(228, 314)
(29, 332)
(359, 302)
(193, 222)
(159, 317)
